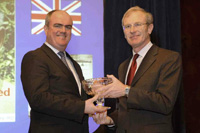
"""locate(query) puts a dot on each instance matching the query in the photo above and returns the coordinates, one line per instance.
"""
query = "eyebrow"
(62, 24)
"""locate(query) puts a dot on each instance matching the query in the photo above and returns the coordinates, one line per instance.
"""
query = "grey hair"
(149, 17)
(48, 16)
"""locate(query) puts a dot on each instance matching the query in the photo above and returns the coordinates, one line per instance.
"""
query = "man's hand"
(102, 118)
(114, 90)
(90, 108)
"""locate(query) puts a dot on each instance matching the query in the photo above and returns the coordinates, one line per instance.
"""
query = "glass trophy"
(90, 85)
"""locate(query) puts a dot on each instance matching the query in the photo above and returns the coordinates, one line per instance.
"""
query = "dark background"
(190, 38)
(176, 27)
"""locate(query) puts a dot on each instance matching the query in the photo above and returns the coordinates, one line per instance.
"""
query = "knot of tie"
(135, 57)
(62, 55)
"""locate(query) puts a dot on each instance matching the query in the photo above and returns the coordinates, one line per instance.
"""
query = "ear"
(45, 29)
(150, 28)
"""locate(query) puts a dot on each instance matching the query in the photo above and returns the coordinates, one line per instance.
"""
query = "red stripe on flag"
(38, 31)
(76, 18)
(39, 5)
(38, 16)
(57, 5)
(72, 5)
(76, 31)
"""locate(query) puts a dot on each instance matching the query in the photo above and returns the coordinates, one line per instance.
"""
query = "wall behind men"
(28, 34)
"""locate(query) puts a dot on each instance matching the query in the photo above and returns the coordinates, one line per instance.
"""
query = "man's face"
(58, 32)
(136, 30)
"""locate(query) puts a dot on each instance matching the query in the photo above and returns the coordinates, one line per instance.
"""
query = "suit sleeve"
(35, 76)
(158, 92)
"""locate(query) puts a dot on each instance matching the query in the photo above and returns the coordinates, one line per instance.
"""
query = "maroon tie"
(132, 70)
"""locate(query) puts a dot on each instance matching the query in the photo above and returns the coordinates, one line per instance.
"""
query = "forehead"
(136, 16)
(60, 17)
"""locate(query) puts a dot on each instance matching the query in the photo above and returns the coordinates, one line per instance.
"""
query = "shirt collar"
(52, 48)
(144, 50)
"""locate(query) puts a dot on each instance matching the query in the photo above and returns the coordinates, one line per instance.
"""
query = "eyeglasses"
(135, 25)
(67, 27)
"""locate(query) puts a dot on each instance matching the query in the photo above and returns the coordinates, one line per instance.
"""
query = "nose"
(132, 28)
(63, 29)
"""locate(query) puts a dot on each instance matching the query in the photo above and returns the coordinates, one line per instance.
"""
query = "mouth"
(61, 36)
(134, 37)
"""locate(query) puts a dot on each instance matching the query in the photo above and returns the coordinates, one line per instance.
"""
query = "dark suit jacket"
(153, 93)
(52, 92)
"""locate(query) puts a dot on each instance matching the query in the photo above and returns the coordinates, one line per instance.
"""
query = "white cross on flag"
(41, 7)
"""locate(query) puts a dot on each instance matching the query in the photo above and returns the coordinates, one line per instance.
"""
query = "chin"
(133, 43)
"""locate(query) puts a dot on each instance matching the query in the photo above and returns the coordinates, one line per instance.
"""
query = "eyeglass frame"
(59, 26)
(136, 25)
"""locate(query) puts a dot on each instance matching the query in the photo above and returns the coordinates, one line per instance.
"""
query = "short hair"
(149, 17)
(48, 16)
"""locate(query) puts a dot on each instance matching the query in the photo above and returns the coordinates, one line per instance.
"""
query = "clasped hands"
(114, 90)
(99, 113)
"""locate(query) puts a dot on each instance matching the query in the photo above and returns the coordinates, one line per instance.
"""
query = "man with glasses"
(148, 83)
(52, 82)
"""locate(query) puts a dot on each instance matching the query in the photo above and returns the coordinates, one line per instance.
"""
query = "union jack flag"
(41, 7)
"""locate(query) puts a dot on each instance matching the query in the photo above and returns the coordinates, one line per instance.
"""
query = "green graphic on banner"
(7, 61)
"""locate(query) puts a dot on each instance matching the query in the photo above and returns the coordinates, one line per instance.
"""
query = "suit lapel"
(80, 75)
(57, 60)
(148, 60)
(122, 74)
(77, 68)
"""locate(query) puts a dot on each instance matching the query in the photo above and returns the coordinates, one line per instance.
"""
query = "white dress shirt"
(70, 64)
(141, 56)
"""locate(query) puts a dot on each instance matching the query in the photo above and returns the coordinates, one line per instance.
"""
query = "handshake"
(100, 88)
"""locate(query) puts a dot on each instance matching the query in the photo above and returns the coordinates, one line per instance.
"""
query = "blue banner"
(28, 34)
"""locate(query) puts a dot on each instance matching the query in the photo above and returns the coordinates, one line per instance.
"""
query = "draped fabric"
(166, 31)
(190, 31)
(166, 34)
